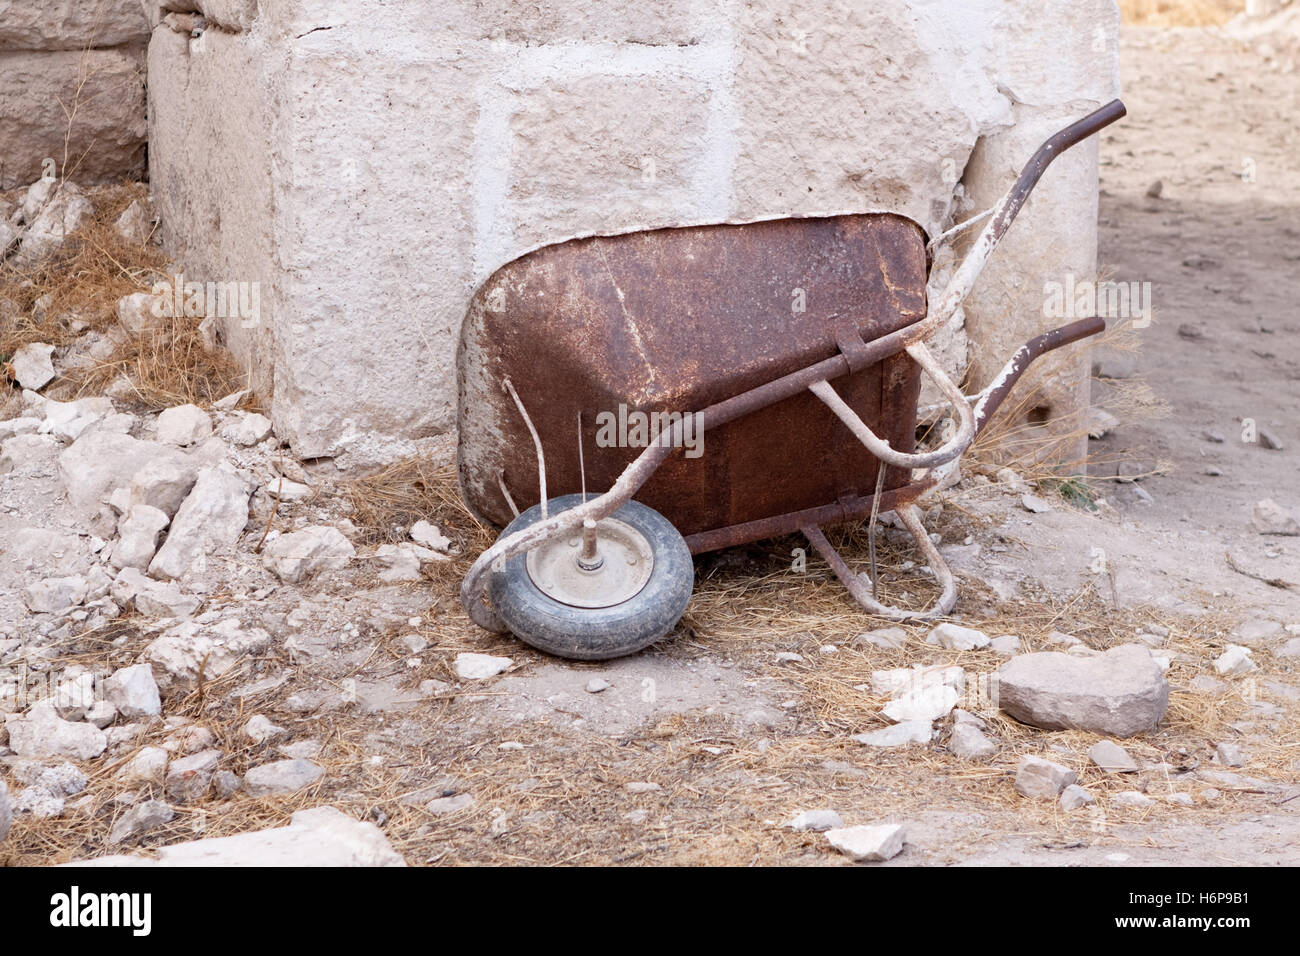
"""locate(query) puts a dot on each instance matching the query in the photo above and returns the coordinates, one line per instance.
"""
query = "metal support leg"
(860, 586)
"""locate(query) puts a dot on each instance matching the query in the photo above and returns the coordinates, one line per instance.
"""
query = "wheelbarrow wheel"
(566, 600)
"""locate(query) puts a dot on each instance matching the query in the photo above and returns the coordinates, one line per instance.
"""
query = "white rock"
(969, 741)
(1290, 649)
(1268, 517)
(868, 843)
(480, 666)
(190, 778)
(259, 729)
(19, 426)
(597, 685)
(101, 714)
(789, 657)
(1036, 777)
(1034, 504)
(178, 653)
(1119, 693)
(135, 224)
(246, 428)
(279, 488)
(210, 519)
(33, 366)
(957, 638)
(451, 804)
(322, 837)
(889, 638)
(162, 483)
(147, 768)
(139, 820)
(134, 692)
(1180, 799)
(899, 735)
(42, 733)
(55, 594)
(139, 531)
(63, 210)
(414, 643)
(1131, 798)
(1008, 645)
(400, 562)
(184, 425)
(1235, 660)
(429, 536)
(899, 680)
(1112, 758)
(1074, 796)
(152, 598)
(141, 312)
(816, 821)
(299, 554)
(39, 803)
(100, 461)
(64, 780)
(6, 811)
(1229, 755)
(282, 776)
(926, 704)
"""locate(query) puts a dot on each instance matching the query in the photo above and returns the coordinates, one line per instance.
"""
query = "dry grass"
(167, 367)
(1179, 13)
(84, 280)
(385, 504)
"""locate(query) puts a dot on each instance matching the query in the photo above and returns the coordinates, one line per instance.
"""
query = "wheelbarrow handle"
(1058, 143)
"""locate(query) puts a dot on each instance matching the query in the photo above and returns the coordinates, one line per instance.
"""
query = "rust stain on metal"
(677, 320)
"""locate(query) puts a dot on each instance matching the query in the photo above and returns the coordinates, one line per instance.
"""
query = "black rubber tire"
(597, 634)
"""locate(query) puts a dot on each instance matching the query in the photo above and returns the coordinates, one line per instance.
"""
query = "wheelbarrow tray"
(676, 320)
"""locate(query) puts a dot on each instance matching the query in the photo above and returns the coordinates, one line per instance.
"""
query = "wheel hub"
(616, 573)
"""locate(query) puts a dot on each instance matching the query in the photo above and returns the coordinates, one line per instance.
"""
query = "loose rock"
(429, 536)
(300, 554)
(1229, 755)
(1008, 645)
(1038, 778)
(1074, 796)
(33, 366)
(259, 729)
(6, 811)
(1235, 660)
(1119, 693)
(868, 843)
(969, 741)
(1269, 517)
(957, 638)
(211, 518)
(1112, 758)
(134, 692)
(1132, 799)
(139, 532)
(247, 428)
(146, 768)
(480, 666)
(816, 821)
(282, 776)
(42, 733)
(184, 425)
(190, 778)
(140, 819)
(899, 735)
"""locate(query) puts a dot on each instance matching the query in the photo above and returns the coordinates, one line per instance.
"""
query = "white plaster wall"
(373, 162)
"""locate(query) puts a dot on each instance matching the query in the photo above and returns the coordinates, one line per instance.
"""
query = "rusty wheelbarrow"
(739, 382)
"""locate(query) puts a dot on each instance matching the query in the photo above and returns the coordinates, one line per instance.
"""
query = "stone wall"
(371, 162)
(72, 90)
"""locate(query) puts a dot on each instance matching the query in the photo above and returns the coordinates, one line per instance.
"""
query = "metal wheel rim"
(628, 561)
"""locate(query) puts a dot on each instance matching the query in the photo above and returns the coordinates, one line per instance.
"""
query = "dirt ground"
(700, 748)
